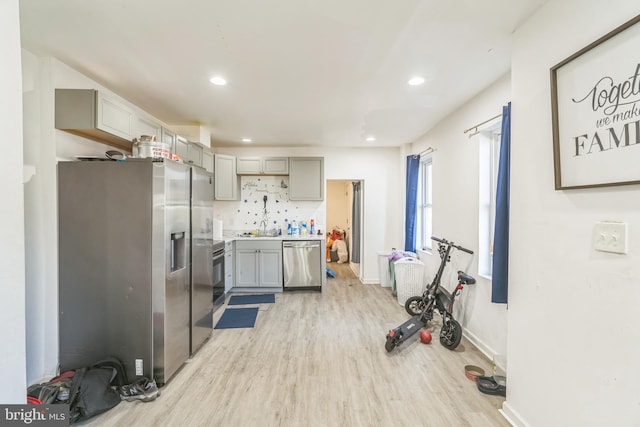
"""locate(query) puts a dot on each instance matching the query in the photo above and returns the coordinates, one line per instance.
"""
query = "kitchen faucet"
(265, 216)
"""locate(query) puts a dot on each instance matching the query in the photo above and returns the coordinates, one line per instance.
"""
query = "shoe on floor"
(142, 389)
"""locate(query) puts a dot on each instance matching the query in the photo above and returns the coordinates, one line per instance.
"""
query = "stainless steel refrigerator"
(124, 265)
(205, 295)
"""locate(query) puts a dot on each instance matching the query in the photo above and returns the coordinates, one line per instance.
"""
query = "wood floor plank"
(317, 359)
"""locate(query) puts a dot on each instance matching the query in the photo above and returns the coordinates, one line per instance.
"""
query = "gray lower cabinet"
(306, 178)
(258, 263)
(226, 182)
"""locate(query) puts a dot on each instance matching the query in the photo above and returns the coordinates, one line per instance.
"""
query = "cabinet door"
(246, 268)
(195, 154)
(168, 137)
(226, 180)
(114, 117)
(306, 178)
(275, 166)
(270, 262)
(228, 267)
(207, 160)
(182, 148)
(146, 126)
(248, 166)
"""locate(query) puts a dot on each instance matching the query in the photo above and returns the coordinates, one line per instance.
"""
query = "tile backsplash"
(249, 212)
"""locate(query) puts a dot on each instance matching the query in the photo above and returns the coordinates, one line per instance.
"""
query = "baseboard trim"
(479, 344)
(512, 416)
(370, 281)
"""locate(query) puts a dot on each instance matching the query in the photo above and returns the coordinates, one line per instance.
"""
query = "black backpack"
(94, 390)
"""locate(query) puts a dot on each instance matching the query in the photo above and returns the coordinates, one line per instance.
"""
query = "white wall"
(573, 335)
(12, 260)
(381, 171)
(455, 214)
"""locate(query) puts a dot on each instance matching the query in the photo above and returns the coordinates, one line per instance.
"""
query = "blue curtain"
(413, 168)
(355, 222)
(500, 272)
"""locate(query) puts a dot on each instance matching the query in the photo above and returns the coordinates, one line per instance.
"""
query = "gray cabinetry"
(147, 126)
(194, 154)
(275, 166)
(306, 178)
(95, 115)
(258, 263)
(182, 148)
(262, 166)
(229, 266)
(248, 166)
(226, 180)
(207, 160)
(168, 137)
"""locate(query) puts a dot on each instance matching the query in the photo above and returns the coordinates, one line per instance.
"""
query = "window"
(424, 217)
(489, 140)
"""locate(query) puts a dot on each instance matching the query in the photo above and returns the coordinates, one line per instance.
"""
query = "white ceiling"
(300, 72)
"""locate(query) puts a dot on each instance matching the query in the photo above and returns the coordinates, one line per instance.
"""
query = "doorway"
(344, 212)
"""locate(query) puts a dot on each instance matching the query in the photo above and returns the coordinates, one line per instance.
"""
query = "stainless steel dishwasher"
(302, 264)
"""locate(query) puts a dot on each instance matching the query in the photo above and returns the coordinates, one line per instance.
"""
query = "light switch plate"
(610, 237)
(139, 367)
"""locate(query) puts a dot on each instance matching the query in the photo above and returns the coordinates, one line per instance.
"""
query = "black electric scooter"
(434, 298)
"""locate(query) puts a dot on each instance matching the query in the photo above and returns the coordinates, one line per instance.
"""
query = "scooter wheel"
(414, 306)
(390, 344)
(450, 334)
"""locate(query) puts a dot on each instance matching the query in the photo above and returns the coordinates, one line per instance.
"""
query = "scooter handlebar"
(444, 241)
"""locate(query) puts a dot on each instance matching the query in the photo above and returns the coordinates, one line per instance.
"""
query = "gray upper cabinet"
(94, 115)
(262, 166)
(306, 178)
(168, 137)
(194, 154)
(207, 160)
(275, 166)
(147, 126)
(248, 166)
(182, 148)
(226, 182)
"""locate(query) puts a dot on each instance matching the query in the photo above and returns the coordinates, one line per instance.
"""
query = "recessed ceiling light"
(218, 81)
(415, 81)
(246, 140)
(371, 139)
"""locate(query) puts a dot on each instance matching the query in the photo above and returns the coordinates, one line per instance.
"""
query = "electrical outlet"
(139, 367)
(610, 237)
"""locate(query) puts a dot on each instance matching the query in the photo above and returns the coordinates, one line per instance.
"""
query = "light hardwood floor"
(319, 360)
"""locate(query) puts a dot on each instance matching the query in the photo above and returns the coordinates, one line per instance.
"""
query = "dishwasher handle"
(304, 244)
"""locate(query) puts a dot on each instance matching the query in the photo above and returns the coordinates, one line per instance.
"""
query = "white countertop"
(283, 237)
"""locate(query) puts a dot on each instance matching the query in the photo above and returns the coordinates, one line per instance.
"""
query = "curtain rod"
(426, 151)
(480, 124)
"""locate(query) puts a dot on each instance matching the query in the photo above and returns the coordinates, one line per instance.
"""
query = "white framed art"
(595, 104)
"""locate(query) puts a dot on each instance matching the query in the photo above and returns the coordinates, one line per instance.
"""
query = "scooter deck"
(408, 328)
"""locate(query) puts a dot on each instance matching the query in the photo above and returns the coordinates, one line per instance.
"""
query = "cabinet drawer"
(258, 244)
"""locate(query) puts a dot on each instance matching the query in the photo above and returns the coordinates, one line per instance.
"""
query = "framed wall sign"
(595, 104)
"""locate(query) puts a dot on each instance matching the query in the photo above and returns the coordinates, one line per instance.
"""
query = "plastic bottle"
(294, 228)
(312, 227)
(289, 231)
